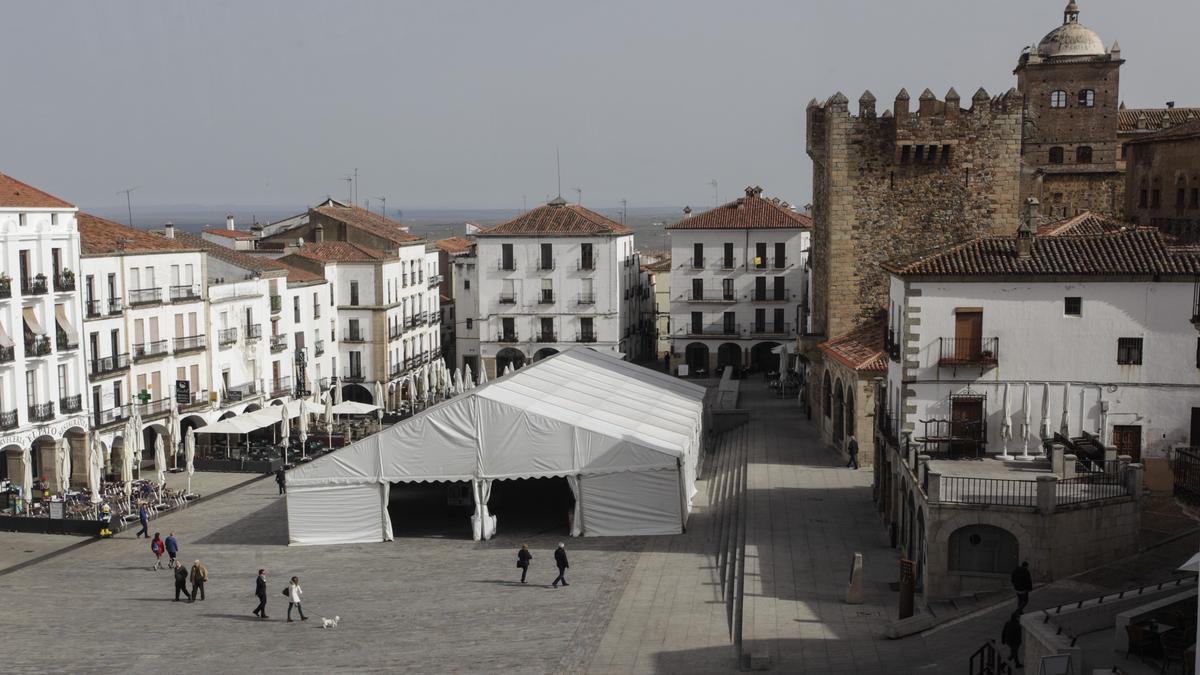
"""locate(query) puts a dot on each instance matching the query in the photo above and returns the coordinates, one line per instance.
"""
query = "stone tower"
(1069, 144)
(898, 184)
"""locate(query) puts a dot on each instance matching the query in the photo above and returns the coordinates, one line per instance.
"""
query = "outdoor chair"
(1142, 642)
(1174, 649)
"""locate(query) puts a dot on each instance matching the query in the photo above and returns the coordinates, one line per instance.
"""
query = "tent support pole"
(682, 495)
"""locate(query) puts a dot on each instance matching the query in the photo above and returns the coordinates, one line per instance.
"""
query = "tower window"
(946, 154)
(1087, 98)
(1056, 155)
(1083, 154)
(1058, 99)
(1195, 199)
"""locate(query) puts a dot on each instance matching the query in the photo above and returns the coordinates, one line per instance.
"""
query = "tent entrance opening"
(431, 510)
(531, 506)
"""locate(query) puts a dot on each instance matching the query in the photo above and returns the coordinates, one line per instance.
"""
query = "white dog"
(330, 623)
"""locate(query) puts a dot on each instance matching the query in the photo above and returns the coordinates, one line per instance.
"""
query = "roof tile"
(98, 236)
(367, 221)
(341, 251)
(17, 195)
(752, 212)
(862, 348)
(558, 218)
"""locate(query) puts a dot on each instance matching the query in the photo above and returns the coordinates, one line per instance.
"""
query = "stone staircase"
(726, 474)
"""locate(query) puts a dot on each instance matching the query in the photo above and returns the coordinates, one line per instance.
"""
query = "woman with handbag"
(523, 558)
(293, 592)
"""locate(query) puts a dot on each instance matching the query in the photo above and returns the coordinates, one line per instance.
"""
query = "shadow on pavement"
(265, 527)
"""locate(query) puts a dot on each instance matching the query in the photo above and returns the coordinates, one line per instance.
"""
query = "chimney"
(687, 212)
(229, 222)
(319, 233)
(1026, 230)
(169, 230)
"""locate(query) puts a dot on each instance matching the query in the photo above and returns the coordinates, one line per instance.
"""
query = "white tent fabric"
(160, 461)
(629, 436)
(95, 467)
(354, 408)
(189, 451)
(62, 470)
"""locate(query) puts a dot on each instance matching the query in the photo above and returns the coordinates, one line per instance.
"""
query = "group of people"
(560, 561)
(293, 593)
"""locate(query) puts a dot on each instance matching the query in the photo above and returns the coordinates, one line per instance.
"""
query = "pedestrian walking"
(144, 519)
(181, 577)
(199, 578)
(281, 480)
(852, 447)
(172, 546)
(1010, 636)
(260, 589)
(293, 592)
(667, 362)
(523, 558)
(560, 559)
(157, 548)
(1022, 582)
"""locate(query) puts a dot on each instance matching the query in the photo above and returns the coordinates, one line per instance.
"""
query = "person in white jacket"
(294, 594)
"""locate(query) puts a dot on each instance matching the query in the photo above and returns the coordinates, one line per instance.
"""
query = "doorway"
(1128, 440)
(966, 425)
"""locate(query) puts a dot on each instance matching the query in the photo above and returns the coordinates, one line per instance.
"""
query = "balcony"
(354, 335)
(184, 293)
(326, 382)
(279, 343)
(434, 280)
(772, 329)
(37, 345)
(728, 264)
(891, 346)
(115, 306)
(102, 418)
(545, 336)
(227, 336)
(545, 263)
(982, 352)
(41, 412)
(714, 295)
(109, 364)
(5, 288)
(699, 330)
(585, 336)
(506, 265)
(353, 375)
(546, 297)
(281, 387)
(696, 263)
(191, 343)
(253, 332)
(8, 419)
(145, 296)
(509, 298)
(64, 282)
(421, 319)
(585, 264)
(434, 319)
(91, 309)
(587, 299)
(150, 350)
(196, 399)
(507, 337)
(156, 408)
(34, 286)
(63, 342)
(319, 347)
(8, 354)
(396, 369)
(276, 304)
(240, 392)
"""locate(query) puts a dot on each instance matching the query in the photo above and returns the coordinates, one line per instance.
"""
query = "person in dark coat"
(181, 579)
(1010, 636)
(199, 578)
(852, 448)
(523, 558)
(172, 547)
(560, 559)
(260, 589)
(667, 362)
(144, 519)
(281, 479)
(1022, 582)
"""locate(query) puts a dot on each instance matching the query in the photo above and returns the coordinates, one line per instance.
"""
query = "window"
(697, 323)
(1195, 204)
(1073, 306)
(760, 320)
(1129, 351)
(466, 284)
(1056, 155)
(1144, 196)
(21, 220)
(547, 257)
(727, 263)
(1083, 154)
(506, 257)
(826, 396)
(1087, 98)
(780, 291)
(1155, 198)
(697, 289)
(547, 290)
(780, 256)
(1058, 99)
(727, 289)
(760, 255)
(353, 292)
(54, 219)
(296, 309)
(982, 548)
(946, 153)
(1180, 197)
(760, 288)
(697, 256)
(470, 323)
(729, 323)
(905, 152)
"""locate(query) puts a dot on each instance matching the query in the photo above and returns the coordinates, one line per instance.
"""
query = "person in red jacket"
(157, 548)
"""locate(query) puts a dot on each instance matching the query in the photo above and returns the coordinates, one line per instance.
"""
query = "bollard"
(854, 592)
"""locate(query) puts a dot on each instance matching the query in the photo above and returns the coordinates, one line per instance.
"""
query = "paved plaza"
(440, 602)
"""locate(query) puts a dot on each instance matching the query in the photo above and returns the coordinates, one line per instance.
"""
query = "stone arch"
(509, 356)
(226, 415)
(10, 466)
(543, 353)
(116, 456)
(839, 413)
(42, 453)
(149, 433)
(848, 415)
(357, 393)
(826, 395)
(982, 547)
(729, 355)
(77, 445)
(762, 358)
(277, 401)
(253, 407)
(696, 356)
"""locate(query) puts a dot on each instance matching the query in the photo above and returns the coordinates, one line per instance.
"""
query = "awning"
(233, 425)
(5, 340)
(60, 313)
(354, 408)
(32, 323)
(259, 419)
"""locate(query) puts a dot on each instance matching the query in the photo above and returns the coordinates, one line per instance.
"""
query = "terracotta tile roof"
(98, 236)
(663, 265)
(1127, 120)
(248, 261)
(753, 212)
(17, 195)
(454, 245)
(862, 348)
(298, 275)
(1084, 223)
(558, 218)
(367, 221)
(232, 234)
(1174, 133)
(1133, 251)
(445, 299)
(341, 251)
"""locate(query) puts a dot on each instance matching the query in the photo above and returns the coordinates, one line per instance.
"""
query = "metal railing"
(63, 342)
(1090, 487)
(160, 406)
(546, 296)
(279, 342)
(994, 491)
(112, 415)
(71, 404)
(40, 412)
(711, 295)
(434, 280)
(506, 265)
(771, 329)
(8, 354)
(586, 336)
(353, 376)
(64, 282)
(968, 351)
(150, 349)
(184, 293)
(319, 347)
(719, 329)
(8, 419)
(508, 298)
(354, 336)
(728, 263)
(110, 364)
(772, 295)
(190, 343)
(585, 264)
(1186, 468)
(696, 263)
(115, 306)
(37, 345)
(91, 309)
(240, 392)
(507, 337)
(195, 398)
(587, 298)
(281, 386)
(544, 336)
(144, 296)
(6, 290)
(890, 345)
(276, 304)
(544, 264)
(227, 336)
(253, 331)
(33, 286)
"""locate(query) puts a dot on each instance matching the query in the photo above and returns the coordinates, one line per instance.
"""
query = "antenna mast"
(578, 195)
(624, 204)
(349, 188)
(716, 194)
(558, 168)
(383, 210)
(128, 202)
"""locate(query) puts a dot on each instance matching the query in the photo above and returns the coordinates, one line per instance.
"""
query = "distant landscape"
(647, 222)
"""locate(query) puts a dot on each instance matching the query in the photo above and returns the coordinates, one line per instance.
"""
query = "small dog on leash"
(330, 623)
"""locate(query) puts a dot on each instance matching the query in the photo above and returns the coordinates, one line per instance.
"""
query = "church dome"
(1071, 38)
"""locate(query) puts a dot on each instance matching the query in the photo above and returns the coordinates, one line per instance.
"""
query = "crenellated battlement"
(930, 112)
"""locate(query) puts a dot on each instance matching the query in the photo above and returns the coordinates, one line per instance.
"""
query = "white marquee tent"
(626, 438)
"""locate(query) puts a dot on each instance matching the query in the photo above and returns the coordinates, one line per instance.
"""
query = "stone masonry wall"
(1168, 167)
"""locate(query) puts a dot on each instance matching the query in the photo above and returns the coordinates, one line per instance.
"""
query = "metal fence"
(992, 491)
(1091, 486)
(1187, 475)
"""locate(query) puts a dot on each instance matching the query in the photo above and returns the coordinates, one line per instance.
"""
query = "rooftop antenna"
(128, 202)
(383, 209)
(716, 198)
(558, 168)
(349, 188)
(356, 184)
(624, 204)
(578, 195)
(524, 204)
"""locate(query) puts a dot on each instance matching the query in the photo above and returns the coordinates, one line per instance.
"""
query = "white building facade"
(737, 283)
(556, 276)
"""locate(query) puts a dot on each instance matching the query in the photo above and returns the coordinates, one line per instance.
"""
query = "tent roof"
(576, 411)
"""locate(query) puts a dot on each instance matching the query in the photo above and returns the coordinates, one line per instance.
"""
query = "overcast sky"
(460, 104)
